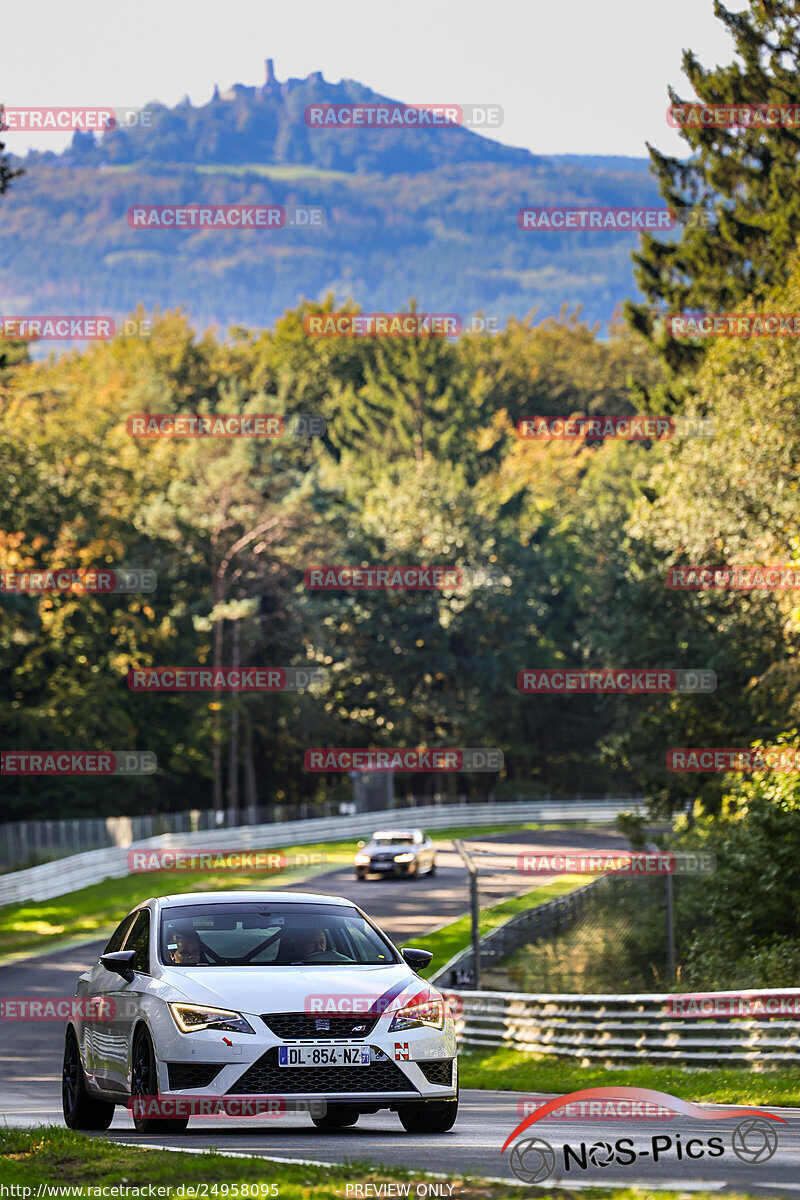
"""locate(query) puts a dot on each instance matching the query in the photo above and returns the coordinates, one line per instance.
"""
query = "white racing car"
(396, 852)
(258, 994)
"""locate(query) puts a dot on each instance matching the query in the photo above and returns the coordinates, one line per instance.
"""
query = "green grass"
(446, 942)
(509, 1070)
(48, 1155)
(288, 173)
(94, 912)
(264, 170)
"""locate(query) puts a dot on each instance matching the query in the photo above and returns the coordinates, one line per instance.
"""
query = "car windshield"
(240, 934)
(393, 839)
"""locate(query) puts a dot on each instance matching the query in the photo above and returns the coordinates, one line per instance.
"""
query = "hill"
(409, 212)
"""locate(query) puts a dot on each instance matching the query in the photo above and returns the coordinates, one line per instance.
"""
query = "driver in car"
(187, 950)
(308, 942)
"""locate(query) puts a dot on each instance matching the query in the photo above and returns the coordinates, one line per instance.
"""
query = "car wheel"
(361, 876)
(338, 1116)
(433, 867)
(429, 1116)
(81, 1111)
(144, 1082)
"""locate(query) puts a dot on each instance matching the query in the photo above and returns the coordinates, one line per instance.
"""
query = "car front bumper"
(404, 1066)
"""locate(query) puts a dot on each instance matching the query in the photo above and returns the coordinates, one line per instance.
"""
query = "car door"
(114, 1043)
(92, 987)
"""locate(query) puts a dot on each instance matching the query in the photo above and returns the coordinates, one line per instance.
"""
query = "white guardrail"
(626, 1029)
(80, 870)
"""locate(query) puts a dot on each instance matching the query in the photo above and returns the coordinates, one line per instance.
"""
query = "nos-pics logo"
(754, 1139)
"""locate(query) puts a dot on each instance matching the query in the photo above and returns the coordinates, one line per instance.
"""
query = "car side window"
(138, 940)
(118, 936)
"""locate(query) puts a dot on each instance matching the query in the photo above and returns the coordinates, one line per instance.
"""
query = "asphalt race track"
(30, 1059)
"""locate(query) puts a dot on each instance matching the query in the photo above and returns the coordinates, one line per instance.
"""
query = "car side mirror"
(361, 845)
(120, 963)
(417, 959)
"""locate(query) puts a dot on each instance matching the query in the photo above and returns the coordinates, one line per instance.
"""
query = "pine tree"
(15, 351)
(7, 173)
(747, 177)
(413, 401)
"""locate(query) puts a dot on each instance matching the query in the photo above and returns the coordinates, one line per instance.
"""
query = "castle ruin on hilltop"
(270, 87)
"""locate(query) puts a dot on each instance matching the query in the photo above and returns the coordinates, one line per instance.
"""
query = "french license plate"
(323, 1056)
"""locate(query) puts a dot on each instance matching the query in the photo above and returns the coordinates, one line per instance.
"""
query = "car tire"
(429, 1116)
(338, 1116)
(361, 876)
(144, 1082)
(433, 868)
(81, 1110)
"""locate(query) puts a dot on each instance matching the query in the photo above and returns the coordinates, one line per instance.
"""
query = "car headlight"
(404, 858)
(431, 1013)
(361, 860)
(192, 1017)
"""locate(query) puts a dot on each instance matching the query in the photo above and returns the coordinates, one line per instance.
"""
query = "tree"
(15, 351)
(748, 176)
(740, 927)
(7, 172)
(727, 500)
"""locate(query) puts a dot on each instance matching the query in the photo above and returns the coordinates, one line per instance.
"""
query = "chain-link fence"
(617, 942)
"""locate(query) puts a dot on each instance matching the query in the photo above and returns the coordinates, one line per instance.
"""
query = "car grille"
(438, 1072)
(266, 1077)
(192, 1075)
(300, 1025)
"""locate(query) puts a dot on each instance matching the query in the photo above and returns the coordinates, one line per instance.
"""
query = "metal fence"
(622, 1030)
(532, 925)
(79, 870)
(24, 843)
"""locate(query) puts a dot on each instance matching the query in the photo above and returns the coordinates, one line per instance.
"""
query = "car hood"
(382, 848)
(328, 990)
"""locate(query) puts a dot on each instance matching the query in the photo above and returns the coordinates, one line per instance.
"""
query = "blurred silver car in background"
(396, 852)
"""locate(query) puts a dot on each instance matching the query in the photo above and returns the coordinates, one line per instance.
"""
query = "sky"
(572, 76)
